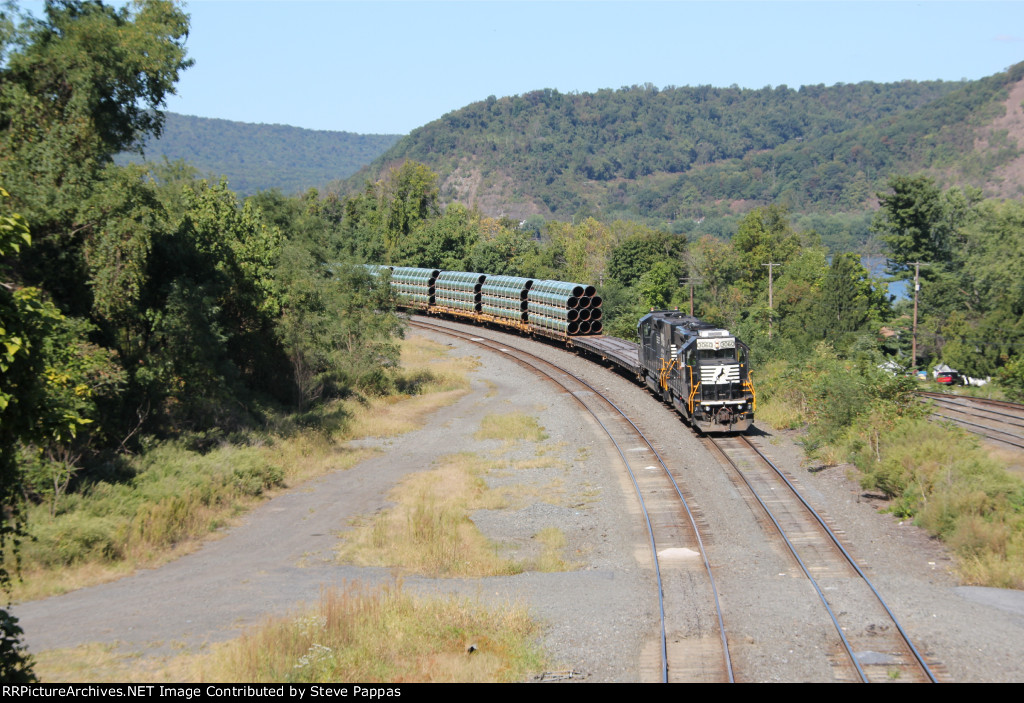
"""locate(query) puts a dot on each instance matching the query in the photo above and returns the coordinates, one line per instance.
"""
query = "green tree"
(77, 375)
(442, 242)
(210, 307)
(846, 304)
(377, 221)
(1011, 378)
(764, 236)
(921, 223)
(77, 86)
(338, 327)
(635, 254)
(24, 319)
(507, 252)
(581, 250)
(658, 285)
(408, 197)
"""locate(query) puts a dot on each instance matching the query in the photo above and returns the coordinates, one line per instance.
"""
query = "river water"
(876, 267)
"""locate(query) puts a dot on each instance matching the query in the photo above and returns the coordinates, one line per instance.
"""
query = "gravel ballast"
(600, 618)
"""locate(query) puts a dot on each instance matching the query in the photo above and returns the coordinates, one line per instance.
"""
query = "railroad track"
(692, 638)
(871, 645)
(870, 652)
(997, 420)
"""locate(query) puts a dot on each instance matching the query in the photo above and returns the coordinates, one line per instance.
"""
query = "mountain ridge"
(693, 152)
(258, 156)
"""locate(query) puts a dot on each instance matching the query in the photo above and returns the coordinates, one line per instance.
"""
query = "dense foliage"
(255, 157)
(138, 305)
(695, 152)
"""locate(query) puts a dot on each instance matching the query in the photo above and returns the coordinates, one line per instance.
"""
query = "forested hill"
(258, 157)
(703, 151)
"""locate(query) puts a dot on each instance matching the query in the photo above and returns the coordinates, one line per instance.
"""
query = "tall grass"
(428, 380)
(511, 427)
(551, 558)
(385, 635)
(943, 478)
(353, 634)
(429, 531)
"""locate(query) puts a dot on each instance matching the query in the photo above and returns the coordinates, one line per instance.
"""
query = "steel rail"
(983, 430)
(1010, 405)
(846, 555)
(984, 413)
(792, 550)
(693, 523)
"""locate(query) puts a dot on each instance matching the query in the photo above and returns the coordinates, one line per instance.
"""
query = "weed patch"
(385, 635)
(551, 558)
(511, 427)
(103, 663)
(933, 472)
(353, 634)
(429, 531)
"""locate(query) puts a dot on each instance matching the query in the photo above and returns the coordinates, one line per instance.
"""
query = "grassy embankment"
(937, 474)
(162, 503)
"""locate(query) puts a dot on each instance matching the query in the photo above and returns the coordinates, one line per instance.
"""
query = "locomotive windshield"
(716, 355)
(716, 350)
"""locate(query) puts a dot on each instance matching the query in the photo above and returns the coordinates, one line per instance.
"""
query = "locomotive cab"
(702, 370)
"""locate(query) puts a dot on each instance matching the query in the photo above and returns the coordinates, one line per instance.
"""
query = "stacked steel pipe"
(560, 306)
(505, 297)
(415, 285)
(572, 308)
(459, 290)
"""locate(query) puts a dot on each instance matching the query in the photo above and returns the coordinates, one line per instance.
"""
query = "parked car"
(947, 376)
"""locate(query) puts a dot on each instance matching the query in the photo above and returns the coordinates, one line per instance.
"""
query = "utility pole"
(913, 338)
(770, 266)
(691, 280)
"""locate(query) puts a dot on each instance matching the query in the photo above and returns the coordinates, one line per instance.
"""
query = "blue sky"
(389, 67)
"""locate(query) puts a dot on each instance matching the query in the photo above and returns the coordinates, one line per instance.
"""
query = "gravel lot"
(599, 618)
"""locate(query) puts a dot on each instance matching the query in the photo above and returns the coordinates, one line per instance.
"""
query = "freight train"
(702, 371)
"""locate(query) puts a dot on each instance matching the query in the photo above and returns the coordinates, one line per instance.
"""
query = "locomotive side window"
(645, 340)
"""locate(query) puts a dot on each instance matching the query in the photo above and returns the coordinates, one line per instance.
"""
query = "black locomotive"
(702, 370)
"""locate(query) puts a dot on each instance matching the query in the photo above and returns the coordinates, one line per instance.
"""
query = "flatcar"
(700, 370)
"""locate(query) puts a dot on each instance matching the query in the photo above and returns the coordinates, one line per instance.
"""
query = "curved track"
(693, 642)
(843, 588)
(879, 651)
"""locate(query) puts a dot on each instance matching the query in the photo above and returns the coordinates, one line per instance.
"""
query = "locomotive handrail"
(748, 385)
(696, 387)
(664, 372)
